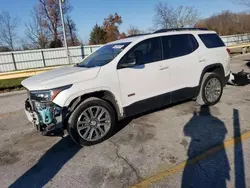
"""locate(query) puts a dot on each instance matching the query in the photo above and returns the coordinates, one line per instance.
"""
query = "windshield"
(103, 55)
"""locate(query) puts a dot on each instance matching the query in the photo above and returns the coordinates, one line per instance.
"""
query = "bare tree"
(167, 16)
(122, 35)
(133, 30)
(150, 30)
(71, 32)
(227, 23)
(35, 30)
(50, 15)
(4, 49)
(8, 27)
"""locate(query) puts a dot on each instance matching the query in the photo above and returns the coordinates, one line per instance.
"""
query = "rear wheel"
(92, 122)
(211, 89)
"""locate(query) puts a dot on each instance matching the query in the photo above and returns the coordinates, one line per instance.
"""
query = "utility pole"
(64, 31)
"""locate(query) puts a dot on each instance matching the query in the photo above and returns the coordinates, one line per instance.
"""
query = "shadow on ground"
(48, 165)
(248, 63)
(207, 131)
(53, 160)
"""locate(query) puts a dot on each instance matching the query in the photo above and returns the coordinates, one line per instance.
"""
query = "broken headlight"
(41, 96)
(46, 95)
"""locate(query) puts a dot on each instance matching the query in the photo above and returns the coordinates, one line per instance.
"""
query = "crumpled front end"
(45, 116)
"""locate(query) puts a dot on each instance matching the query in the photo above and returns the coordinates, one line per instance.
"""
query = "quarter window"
(211, 40)
(178, 45)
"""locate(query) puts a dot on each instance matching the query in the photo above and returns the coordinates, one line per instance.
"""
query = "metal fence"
(236, 39)
(22, 60)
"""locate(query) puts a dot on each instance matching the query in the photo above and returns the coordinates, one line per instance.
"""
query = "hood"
(60, 77)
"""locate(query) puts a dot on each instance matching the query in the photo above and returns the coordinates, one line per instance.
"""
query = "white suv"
(128, 77)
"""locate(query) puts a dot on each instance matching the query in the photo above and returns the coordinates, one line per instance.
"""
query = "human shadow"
(48, 165)
(239, 179)
(205, 131)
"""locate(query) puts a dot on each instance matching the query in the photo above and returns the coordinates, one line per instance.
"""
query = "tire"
(202, 98)
(82, 112)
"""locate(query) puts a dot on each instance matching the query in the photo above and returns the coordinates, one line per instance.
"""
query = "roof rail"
(138, 35)
(179, 29)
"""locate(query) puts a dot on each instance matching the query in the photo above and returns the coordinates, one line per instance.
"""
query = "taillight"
(228, 51)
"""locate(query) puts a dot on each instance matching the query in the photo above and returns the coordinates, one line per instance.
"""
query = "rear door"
(181, 55)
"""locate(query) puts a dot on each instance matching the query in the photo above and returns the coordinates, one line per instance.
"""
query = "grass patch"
(14, 83)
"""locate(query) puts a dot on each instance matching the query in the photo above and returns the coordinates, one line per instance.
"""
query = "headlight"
(47, 95)
(41, 96)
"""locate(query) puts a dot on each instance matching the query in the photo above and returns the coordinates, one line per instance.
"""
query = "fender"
(103, 93)
(211, 68)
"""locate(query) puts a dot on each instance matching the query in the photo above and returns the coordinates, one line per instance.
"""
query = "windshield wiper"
(82, 65)
(79, 65)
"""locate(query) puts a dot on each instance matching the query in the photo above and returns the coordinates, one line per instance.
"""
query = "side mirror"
(129, 64)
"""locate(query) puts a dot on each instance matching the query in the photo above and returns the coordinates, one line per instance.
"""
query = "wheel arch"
(106, 95)
(217, 68)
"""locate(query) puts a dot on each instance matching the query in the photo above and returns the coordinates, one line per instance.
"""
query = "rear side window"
(211, 40)
(178, 45)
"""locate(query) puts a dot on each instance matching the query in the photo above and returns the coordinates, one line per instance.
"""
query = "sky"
(140, 13)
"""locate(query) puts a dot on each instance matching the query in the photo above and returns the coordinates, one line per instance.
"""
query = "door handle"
(202, 60)
(163, 67)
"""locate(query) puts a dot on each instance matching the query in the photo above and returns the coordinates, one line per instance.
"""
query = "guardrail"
(241, 48)
(230, 40)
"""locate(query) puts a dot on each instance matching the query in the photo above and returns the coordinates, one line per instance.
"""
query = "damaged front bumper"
(46, 117)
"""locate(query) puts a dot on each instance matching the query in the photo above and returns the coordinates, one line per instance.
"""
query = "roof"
(172, 32)
(129, 39)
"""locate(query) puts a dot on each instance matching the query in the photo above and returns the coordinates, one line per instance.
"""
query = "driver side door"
(142, 84)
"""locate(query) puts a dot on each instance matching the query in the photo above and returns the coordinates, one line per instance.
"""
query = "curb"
(12, 93)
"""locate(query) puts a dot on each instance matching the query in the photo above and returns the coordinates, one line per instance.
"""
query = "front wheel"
(92, 122)
(211, 89)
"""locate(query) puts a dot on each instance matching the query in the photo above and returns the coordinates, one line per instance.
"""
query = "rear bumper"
(44, 120)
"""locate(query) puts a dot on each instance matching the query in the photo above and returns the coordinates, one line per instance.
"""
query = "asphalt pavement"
(179, 146)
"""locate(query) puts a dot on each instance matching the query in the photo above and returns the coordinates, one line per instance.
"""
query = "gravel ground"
(143, 147)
